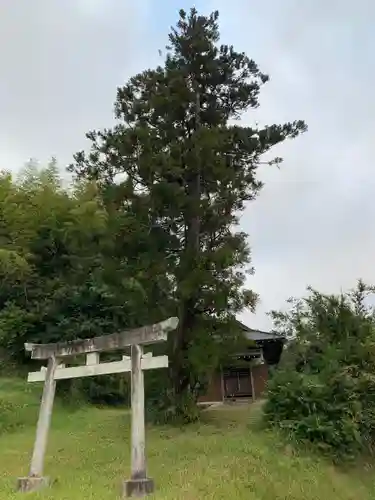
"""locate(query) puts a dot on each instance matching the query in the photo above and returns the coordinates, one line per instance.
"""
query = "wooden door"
(237, 382)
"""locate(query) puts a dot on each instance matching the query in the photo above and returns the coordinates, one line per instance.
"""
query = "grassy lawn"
(225, 457)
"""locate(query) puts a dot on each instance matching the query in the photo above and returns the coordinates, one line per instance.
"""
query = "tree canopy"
(188, 170)
(61, 276)
(150, 226)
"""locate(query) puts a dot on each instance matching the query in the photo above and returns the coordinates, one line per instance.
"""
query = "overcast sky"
(314, 222)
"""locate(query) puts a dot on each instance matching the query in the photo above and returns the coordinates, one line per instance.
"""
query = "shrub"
(324, 389)
(108, 390)
(166, 409)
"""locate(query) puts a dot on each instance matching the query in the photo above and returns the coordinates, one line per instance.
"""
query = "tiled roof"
(252, 334)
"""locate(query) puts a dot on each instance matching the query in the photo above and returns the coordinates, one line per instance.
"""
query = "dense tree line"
(62, 273)
(164, 240)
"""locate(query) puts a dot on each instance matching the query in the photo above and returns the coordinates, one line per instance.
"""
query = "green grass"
(225, 457)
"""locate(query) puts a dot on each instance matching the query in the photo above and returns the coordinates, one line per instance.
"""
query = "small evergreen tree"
(189, 171)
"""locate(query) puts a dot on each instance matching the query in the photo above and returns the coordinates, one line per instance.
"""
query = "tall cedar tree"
(190, 171)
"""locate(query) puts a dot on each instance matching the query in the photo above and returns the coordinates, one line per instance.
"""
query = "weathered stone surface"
(147, 363)
(139, 485)
(44, 420)
(138, 488)
(28, 484)
(138, 456)
(141, 336)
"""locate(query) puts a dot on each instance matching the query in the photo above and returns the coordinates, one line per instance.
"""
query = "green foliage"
(108, 390)
(167, 409)
(105, 254)
(63, 273)
(324, 389)
(187, 172)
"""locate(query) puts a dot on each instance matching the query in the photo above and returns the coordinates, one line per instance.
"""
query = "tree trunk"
(187, 312)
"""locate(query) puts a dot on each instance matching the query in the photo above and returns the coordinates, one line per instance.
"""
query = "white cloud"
(94, 8)
(60, 68)
(312, 224)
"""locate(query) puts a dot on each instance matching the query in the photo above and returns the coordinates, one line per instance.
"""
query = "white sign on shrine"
(139, 484)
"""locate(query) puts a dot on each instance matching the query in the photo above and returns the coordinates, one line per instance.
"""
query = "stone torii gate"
(139, 484)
